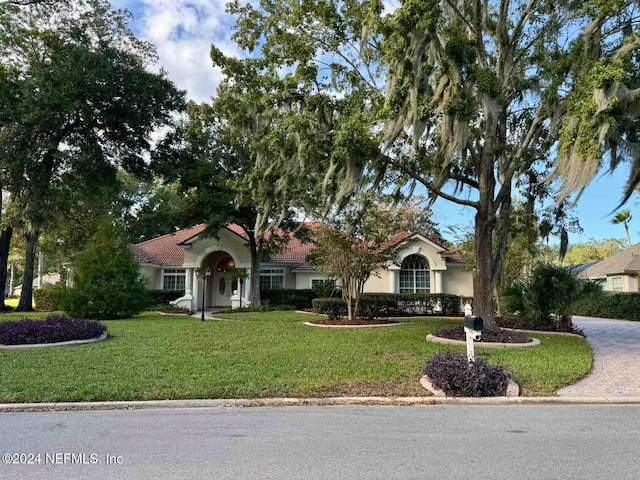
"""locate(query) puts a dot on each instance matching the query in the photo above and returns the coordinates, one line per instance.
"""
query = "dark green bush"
(452, 373)
(326, 289)
(106, 279)
(50, 299)
(265, 307)
(381, 305)
(334, 308)
(548, 296)
(166, 308)
(300, 299)
(622, 306)
(162, 297)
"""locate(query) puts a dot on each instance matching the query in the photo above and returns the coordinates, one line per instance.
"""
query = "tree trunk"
(626, 227)
(5, 242)
(254, 297)
(26, 297)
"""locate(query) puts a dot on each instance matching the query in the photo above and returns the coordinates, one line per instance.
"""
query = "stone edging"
(513, 389)
(543, 332)
(70, 343)
(357, 326)
(173, 314)
(448, 341)
(316, 402)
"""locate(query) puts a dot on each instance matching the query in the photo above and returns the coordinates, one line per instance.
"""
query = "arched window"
(414, 275)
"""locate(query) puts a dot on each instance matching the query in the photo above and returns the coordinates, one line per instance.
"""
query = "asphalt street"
(368, 442)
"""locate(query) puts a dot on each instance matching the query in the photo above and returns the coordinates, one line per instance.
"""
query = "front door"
(222, 289)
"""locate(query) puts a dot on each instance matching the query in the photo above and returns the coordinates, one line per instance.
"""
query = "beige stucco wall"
(303, 279)
(379, 284)
(457, 281)
(152, 276)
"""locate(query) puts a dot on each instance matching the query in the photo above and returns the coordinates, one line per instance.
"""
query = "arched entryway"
(221, 282)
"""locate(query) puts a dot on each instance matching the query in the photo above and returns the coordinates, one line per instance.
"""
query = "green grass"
(259, 355)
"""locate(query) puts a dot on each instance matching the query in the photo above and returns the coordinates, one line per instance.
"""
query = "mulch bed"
(492, 336)
(518, 323)
(356, 322)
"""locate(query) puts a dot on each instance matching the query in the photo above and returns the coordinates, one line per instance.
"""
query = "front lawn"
(260, 355)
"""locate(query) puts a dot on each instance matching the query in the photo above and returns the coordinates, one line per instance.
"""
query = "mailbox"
(473, 328)
(473, 323)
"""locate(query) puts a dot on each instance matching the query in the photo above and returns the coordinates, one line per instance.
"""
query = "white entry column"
(393, 279)
(194, 282)
(247, 288)
(437, 281)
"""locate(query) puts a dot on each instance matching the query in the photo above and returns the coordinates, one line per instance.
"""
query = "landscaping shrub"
(452, 373)
(380, 305)
(300, 299)
(162, 297)
(334, 308)
(265, 307)
(623, 306)
(50, 299)
(106, 279)
(377, 305)
(168, 309)
(53, 329)
(548, 296)
(326, 289)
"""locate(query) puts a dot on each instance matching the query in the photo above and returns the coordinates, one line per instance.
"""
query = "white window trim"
(613, 288)
(175, 272)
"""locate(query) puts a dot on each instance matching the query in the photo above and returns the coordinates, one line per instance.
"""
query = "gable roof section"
(625, 262)
(168, 250)
(165, 250)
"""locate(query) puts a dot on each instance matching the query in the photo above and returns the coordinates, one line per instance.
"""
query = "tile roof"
(626, 261)
(164, 250)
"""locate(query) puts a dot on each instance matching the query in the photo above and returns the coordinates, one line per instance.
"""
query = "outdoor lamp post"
(205, 275)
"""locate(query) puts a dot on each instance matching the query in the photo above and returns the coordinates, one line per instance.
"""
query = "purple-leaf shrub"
(53, 329)
(451, 373)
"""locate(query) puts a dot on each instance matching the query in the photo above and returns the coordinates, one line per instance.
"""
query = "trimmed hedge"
(451, 373)
(50, 299)
(53, 329)
(622, 306)
(300, 299)
(162, 297)
(381, 305)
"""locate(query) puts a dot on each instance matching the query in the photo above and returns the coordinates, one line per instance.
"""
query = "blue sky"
(183, 31)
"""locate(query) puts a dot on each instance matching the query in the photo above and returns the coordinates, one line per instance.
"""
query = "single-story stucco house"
(618, 273)
(176, 262)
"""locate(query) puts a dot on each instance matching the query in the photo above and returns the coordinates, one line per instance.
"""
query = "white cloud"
(183, 32)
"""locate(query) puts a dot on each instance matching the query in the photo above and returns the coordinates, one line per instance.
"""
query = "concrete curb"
(357, 326)
(70, 343)
(513, 389)
(316, 402)
(542, 332)
(448, 341)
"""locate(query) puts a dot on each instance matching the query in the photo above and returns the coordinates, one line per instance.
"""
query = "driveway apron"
(616, 359)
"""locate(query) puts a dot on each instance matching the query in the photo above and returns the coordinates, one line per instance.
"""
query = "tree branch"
(429, 186)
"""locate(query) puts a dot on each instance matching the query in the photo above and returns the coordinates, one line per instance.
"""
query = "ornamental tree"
(465, 98)
(81, 103)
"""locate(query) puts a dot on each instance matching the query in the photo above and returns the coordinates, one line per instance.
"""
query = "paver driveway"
(616, 359)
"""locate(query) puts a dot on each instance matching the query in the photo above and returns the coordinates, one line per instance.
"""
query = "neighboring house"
(618, 273)
(177, 261)
(48, 280)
